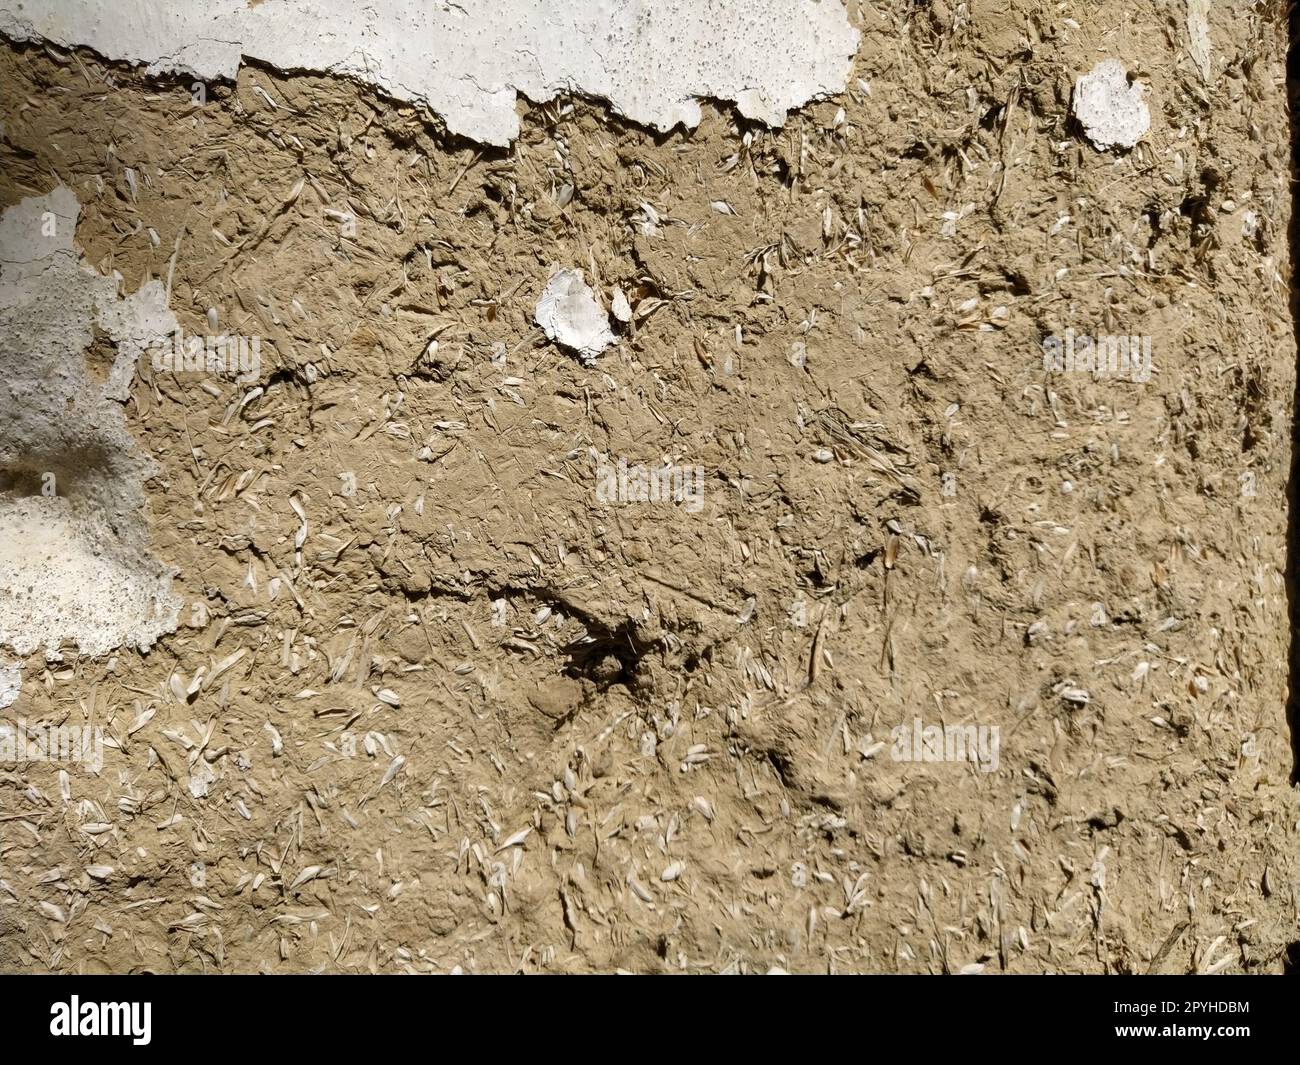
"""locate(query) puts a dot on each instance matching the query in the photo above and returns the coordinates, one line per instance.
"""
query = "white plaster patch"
(1113, 112)
(570, 315)
(74, 560)
(652, 60)
(11, 683)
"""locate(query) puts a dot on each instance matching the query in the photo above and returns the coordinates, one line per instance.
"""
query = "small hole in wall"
(608, 656)
(100, 356)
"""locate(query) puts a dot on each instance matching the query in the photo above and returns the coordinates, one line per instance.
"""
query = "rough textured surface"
(74, 563)
(651, 59)
(436, 704)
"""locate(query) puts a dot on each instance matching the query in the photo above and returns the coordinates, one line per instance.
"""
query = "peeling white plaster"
(74, 560)
(1113, 112)
(468, 60)
(569, 314)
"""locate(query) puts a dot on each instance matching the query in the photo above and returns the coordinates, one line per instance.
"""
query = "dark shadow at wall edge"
(1291, 962)
(1293, 481)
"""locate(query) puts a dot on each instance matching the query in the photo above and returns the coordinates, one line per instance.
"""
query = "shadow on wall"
(1291, 963)
(1293, 482)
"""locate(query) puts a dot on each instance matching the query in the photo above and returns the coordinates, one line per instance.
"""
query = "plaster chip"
(570, 315)
(1113, 112)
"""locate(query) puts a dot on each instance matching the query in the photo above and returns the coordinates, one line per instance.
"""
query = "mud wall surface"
(836, 524)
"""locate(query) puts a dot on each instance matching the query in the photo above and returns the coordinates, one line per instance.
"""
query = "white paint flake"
(570, 315)
(1113, 112)
(11, 682)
